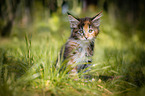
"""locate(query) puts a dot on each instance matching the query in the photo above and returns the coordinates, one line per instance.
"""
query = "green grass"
(27, 62)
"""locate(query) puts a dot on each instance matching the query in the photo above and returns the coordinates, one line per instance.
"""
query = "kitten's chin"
(86, 41)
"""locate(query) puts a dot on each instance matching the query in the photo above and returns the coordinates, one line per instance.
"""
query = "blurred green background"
(33, 31)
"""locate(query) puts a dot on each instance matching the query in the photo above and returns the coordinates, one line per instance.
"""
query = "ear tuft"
(96, 19)
(73, 21)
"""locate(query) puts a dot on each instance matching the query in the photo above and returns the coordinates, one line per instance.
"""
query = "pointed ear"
(96, 19)
(73, 21)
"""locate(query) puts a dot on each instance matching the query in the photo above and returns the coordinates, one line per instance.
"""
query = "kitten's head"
(84, 28)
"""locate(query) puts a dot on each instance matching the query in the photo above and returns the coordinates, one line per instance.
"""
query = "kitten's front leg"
(72, 69)
(87, 62)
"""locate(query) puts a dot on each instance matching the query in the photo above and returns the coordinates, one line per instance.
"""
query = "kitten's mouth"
(86, 39)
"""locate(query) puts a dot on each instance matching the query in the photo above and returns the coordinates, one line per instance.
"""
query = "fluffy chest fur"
(79, 51)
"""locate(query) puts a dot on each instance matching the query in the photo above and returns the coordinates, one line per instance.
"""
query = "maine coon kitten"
(79, 48)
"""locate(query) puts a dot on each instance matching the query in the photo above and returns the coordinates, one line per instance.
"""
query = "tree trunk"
(7, 29)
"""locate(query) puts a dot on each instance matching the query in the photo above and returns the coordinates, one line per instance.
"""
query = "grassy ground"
(27, 61)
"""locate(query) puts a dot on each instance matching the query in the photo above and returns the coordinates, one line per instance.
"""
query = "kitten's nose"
(86, 37)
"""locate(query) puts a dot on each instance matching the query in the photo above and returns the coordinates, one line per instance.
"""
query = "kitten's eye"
(81, 31)
(90, 31)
